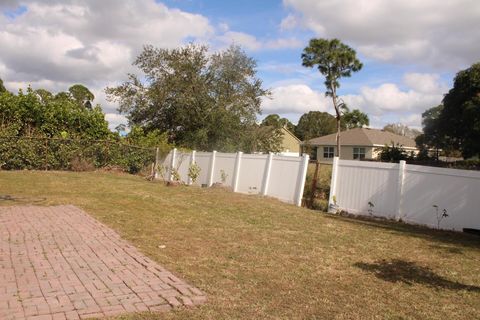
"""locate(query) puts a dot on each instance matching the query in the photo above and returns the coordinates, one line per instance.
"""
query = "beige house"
(290, 143)
(359, 143)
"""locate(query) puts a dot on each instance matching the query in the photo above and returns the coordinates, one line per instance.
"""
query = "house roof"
(364, 137)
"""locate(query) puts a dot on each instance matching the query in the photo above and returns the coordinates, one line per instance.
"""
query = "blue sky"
(411, 49)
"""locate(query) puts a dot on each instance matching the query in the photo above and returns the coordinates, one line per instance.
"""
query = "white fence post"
(212, 168)
(157, 163)
(236, 171)
(333, 185)
(401, 177)
(301, 180)
(192, 161)
(266, 175)
(172, 164)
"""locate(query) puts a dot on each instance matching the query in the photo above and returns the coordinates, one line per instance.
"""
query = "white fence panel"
(408, 192)
(281, 177)
(182, 165)
(284, 170)
(457, 191)
(202, 159)
(252, 170)
(373, 183)
(224, 162)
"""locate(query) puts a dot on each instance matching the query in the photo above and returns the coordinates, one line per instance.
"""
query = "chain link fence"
(32, 153)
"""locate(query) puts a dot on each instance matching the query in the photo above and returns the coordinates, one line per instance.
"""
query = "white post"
(266, 175)
(301, 180)
(401, 178)
(157, 160)
(172, 164)
(236, 171)
(333, 186)
(192, 161)
(211, 169)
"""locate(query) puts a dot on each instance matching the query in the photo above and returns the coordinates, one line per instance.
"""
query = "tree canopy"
(402, 130)
(276, 121)
(334, 60)
(460, 116)
(455, 124)
(354, 118)
(200, 101)
(315, 124)
(2, 87)
(39, 113)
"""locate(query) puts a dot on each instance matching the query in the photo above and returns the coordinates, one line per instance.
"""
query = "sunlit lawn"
(258, 258)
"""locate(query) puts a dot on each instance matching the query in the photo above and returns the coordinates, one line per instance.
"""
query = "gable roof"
(364, 137)
(291, 134)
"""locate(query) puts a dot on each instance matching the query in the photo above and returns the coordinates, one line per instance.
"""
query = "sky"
(410, 49)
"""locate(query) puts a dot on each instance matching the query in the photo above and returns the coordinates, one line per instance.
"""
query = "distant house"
(290, 143)
(359, 143)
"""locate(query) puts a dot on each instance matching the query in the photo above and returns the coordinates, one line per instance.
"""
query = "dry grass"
(261, 259)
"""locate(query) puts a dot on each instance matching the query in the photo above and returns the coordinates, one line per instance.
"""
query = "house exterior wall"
(290, 144)
(346, 152)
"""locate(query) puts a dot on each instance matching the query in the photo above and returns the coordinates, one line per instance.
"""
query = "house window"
(358, 153)
(328, 152)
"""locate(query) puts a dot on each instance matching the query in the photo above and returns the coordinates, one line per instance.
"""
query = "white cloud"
(252, 43)
(114, 119)
(435, 33)
(295, 98)
(384, 104)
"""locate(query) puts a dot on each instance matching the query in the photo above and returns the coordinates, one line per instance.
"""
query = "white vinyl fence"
(281, 177)
(411, 193)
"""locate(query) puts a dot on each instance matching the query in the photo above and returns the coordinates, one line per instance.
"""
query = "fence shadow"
(397, 270)
(453, 238)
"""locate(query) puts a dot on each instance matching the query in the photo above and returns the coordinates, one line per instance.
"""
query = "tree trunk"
(337, 111)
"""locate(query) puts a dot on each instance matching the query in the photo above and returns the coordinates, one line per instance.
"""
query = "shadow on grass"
(13, 199)
(456, 239)
(397, 270)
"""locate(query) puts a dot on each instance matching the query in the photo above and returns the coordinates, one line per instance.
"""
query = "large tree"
(334, 60)
(315, 124)
(354, 118)
(2, 87)
(201, 101)
(459, 120)
(276, 121)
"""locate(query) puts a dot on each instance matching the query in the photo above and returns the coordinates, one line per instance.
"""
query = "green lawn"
(257, 258)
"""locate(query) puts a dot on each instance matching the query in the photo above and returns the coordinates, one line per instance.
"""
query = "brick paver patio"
(60, 263)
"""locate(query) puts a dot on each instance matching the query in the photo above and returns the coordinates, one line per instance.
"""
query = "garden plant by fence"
(281, 177)
(435, 197)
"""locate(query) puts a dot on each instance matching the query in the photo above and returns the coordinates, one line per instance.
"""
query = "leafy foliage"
(354, 118)
(460, 116)
(334, 60)
(200, 101)
(314, 124)
(277, 122)
(40, 130)
(2, 87)
(393, 153)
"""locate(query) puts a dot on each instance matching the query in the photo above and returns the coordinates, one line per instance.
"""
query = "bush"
(79, 155)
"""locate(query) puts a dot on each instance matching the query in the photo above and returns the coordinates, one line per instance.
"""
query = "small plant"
(370, 208)
(440, 215)
(223, 176)
(175, 175)
(194, 172)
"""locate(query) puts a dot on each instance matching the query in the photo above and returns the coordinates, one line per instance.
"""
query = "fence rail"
(435, 197)
(281, 177)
